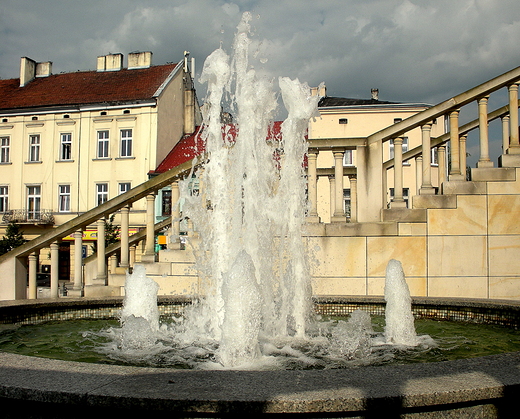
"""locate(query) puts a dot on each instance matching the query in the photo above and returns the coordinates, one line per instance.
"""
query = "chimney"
(27, 70)
(110, 62)
(139, 60)
(44, 69)
(375, 94)
(320, 91)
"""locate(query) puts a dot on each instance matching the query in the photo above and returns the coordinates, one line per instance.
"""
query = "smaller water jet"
(140, 315)
(399, 329)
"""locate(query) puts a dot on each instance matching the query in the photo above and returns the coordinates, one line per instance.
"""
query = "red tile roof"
(84, 87)
(194, 145)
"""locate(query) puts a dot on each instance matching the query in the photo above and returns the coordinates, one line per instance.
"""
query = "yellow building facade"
(353, 119)
(72, 141)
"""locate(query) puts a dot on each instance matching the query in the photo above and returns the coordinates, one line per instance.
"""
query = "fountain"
(249, 213)
(257, 300)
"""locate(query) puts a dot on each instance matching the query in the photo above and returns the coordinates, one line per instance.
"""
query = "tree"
(111, 234)
(13, 238)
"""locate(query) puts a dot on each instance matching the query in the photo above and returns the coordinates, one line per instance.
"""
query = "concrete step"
(404, 215)
(494, 174)
(464, 188)
(434, 201)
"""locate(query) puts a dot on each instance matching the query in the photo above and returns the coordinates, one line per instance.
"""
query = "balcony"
(23, 216)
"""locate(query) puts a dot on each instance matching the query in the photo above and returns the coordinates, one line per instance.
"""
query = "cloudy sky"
(412, 50)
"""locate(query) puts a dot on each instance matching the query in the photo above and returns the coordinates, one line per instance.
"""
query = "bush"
(12, 239)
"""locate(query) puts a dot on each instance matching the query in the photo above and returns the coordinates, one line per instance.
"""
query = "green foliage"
(13, 238)
(111, 233)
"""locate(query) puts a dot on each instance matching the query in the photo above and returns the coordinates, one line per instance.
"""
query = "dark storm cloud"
(420, 51)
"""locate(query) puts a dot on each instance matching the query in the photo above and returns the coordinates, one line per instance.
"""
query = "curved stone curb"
(487, 384)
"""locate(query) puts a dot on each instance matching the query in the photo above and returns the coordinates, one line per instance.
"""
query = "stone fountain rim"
(440, 386)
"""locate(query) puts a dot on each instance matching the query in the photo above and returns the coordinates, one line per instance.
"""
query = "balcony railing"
(24, 216)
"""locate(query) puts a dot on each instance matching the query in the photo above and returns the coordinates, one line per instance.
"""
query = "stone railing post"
(78, 260)
(125, 222)
(33, 262)
(339, 210)
(441, 160)
(484, 160)
(398, 200)
(55, 266)
(353, 199)
(463, 155)
(176, 214)
(332, 188)
(418, 174)
(505, 133)
(149, 250)
(455, 172)
(101, 276)
(312, 185)
(514, 143)
(426, 185)
(132, 255)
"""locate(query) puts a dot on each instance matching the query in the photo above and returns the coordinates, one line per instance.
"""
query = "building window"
(166, 204)
(435, 156)
(34, 147)
(406, 195)
(64, 198)
(343, 120)
(33, 202)
(397, 120)
(348, 158)
(346, 202)
(66, 146)
(102, 144)
(101, 193)
(4, 198)
(5, 143)
(123, 187)
(126, 143)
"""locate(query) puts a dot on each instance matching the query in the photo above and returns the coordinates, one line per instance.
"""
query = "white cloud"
(412, 50)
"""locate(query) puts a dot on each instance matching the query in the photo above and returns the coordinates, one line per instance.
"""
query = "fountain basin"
(477, 387)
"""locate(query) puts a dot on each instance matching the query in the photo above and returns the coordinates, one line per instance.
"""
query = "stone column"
(55, 266)
(441, 159)
(339, 210)
(353, 199)
(33, 265)
(149, 250)
(101, 264)
(505, 133)
(78, 260)
(463, 155)
(398, 201)
(514, 144)
(312, 186)
(418, 174)
(455, 173)
(176, 215)
(125, 221)
(112, 260)
(332, 186)
(484, 160)
(426, 183)
(132, 256)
